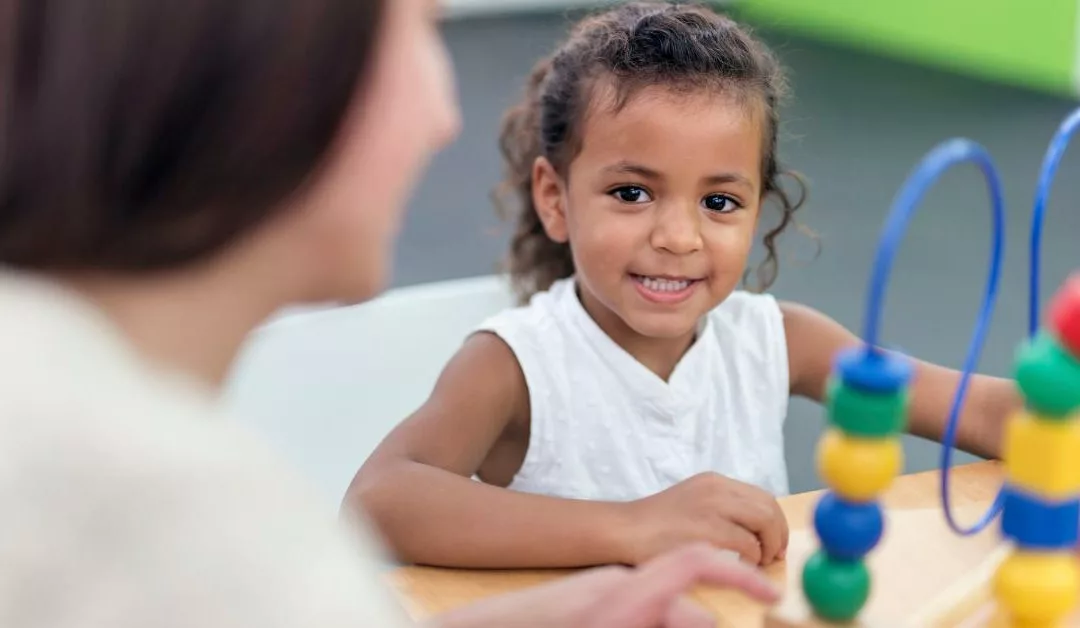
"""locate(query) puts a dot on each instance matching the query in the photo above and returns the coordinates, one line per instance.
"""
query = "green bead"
(1048, 377)
(863, 413)
(836, 589)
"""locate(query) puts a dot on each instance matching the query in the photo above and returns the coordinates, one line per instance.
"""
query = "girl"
(637, 400)
(170, 174)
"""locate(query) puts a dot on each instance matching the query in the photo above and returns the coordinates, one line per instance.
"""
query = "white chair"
(326, 386)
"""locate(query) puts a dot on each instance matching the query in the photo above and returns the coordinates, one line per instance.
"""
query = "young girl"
(637, 400)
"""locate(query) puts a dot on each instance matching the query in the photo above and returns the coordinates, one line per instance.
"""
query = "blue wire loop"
(1054, 153)
(933, 165)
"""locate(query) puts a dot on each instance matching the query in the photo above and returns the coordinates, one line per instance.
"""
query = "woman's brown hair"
(138, 135)
(633, 45)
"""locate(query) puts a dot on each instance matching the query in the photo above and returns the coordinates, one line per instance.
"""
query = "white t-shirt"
(126, 501)
(605, 427)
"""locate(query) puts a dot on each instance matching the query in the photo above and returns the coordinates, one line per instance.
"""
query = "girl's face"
(660, 207)
(405, 112)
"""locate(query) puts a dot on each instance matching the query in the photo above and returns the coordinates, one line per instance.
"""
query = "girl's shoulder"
(750, 322)
(544, 310)
(745, 309)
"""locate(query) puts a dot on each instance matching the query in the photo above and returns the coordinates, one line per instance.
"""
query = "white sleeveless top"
(605, 427)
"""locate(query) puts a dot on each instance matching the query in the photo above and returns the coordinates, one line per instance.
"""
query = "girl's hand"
(650, 596)
(710, 508)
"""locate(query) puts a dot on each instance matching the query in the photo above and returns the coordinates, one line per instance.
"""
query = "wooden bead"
(863, 413)
(1048, 377)
(858, 469)
(1037, 588)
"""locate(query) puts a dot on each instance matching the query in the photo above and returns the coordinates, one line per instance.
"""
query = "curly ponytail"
(535, 261)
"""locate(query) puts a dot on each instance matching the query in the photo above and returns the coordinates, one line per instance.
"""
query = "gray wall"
(855, 127)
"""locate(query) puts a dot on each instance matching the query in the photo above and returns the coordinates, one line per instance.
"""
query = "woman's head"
(138, 137)
(643, 150)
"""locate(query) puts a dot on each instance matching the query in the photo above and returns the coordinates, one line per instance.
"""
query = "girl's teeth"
(663, 285)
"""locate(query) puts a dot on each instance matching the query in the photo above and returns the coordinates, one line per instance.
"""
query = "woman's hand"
(649, 596)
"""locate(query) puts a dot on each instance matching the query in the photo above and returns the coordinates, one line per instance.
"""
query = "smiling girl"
(636, 400)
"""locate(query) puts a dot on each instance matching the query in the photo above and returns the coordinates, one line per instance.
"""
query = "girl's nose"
(677, 229)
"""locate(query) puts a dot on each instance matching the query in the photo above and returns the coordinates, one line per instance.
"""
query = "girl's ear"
(549, 199)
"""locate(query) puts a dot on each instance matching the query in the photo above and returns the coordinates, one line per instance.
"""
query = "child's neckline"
(681, 386)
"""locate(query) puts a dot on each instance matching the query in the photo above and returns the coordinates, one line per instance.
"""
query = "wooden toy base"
(923, 575)
(967, 604)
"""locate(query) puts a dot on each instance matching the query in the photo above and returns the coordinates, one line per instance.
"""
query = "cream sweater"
(126, 501)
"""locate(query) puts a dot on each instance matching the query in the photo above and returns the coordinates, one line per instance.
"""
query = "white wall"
(470, 8)
(458, 8)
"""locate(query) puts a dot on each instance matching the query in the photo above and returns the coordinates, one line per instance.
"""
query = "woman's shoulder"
(97, 439)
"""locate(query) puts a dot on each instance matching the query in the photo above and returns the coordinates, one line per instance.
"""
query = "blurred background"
(876, 84)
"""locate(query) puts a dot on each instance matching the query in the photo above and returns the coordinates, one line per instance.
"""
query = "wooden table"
(919, 554)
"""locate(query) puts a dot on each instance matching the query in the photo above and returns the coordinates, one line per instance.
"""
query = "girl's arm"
(813, 340)
(417, 484)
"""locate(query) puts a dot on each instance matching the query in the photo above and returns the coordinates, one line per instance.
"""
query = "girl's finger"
(766, 524)
(738, 539)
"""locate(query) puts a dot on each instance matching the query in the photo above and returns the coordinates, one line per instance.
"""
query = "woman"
(170, 174)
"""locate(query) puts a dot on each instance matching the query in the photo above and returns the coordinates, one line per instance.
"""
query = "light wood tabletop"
(917, 560)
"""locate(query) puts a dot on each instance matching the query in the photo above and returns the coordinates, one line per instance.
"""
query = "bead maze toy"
(1032, 577)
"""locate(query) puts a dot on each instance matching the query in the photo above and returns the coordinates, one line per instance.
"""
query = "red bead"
(1065, 315)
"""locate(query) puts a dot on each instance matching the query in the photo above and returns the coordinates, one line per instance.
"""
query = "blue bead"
(847, 530)
(872, 370)
(1037, 523)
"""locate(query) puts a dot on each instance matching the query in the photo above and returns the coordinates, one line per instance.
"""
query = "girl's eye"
(720, 203)
(631, 194)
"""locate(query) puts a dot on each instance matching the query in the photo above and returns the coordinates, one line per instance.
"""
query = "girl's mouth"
(664, 289)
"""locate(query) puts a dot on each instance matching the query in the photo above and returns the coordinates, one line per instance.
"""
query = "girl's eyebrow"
(629, 167)
(728, 177)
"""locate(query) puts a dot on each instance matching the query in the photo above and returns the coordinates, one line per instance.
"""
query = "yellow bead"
(1037, 589)
(858, 469)
(1001, 620)
(1043, 456)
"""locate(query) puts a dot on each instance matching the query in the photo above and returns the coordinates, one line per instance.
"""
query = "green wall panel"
(1030, 43)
